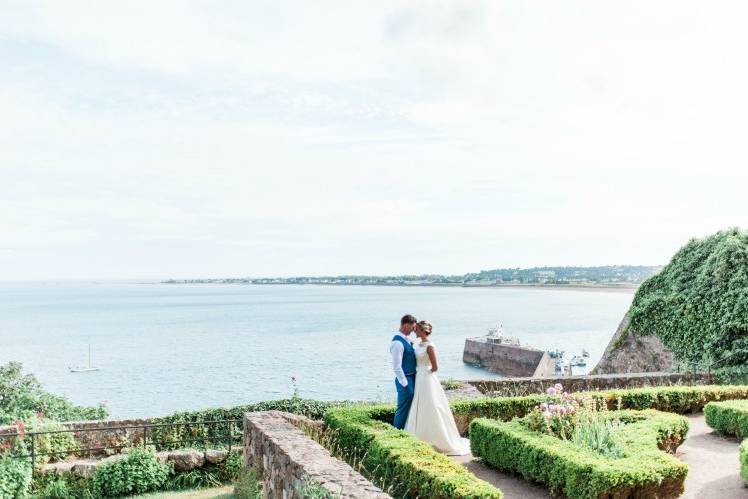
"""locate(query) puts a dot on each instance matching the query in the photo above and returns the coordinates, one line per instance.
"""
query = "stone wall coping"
(287, 456)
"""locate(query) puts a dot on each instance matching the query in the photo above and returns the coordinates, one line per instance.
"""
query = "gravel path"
(713, 466)
(714, 469)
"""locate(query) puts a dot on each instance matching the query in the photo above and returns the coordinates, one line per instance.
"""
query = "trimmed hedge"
(676, 399)
(744, 461)
(729, 417)
(402, 465)
(581, 473)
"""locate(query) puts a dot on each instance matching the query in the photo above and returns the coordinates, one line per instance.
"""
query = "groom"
(404, 365)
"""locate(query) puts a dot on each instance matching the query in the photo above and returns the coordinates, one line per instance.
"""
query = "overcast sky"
(247, 138)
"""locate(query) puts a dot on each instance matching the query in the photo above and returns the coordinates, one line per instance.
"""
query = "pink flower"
(543, 406)
(39, 415)
(546, 414)
(551, 391)
(558, 387)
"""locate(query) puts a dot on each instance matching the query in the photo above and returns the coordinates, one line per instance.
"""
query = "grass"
(226, 492)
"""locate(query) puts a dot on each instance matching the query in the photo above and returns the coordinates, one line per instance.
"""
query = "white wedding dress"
(430, 418)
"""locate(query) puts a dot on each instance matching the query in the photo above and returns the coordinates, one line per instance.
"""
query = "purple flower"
(558, 387)
(543, 406)
(551, 391)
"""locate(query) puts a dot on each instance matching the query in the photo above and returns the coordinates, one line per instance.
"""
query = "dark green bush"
(729, 417)
(400, 464)
(139, 471)
(582, 473)
(698, 304)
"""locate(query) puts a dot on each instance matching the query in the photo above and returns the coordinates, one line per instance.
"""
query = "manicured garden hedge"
(581, 473)
(402, 465)
(729, 417)
(677, 399)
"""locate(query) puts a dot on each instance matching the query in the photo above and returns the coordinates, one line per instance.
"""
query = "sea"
(170, 347)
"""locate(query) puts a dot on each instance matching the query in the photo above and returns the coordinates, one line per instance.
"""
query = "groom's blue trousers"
(404, 399)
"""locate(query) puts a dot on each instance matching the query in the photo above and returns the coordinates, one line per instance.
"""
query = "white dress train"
(430, 418)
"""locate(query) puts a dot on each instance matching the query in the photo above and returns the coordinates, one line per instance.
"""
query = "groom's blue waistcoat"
(409, 356)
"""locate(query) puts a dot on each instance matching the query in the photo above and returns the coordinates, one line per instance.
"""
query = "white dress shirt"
(397, 350)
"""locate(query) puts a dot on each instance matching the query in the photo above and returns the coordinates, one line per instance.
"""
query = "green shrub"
(598, 434)
(397, 462)
(744, 461)
(136, 472)
(729, 417)
(51, 446)
(15, 476)
(581, 473)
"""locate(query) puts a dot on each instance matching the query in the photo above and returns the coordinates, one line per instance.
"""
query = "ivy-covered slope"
(698, 304)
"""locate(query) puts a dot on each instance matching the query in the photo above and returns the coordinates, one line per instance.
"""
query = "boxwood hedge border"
(579, 472)
(729, 417)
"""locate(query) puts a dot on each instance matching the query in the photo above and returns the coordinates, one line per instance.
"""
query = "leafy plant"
(744, 461)
(139, 471)
(15, 475)
(311, 489)
(51, 446)
(597, 433)
(451, 384)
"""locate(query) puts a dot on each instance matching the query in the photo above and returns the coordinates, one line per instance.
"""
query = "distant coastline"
(610, 277)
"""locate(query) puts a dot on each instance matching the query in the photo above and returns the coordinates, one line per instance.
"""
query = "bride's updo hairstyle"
(425, 326)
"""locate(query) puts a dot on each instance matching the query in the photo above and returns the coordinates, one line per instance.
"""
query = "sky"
(178, 139)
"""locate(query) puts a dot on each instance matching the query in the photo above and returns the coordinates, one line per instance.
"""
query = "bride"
(430, 418)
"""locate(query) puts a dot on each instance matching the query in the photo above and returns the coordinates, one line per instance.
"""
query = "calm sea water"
(166, 347)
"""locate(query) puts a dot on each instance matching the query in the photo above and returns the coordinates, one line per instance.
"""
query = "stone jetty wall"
(288, 459)
(509, 360)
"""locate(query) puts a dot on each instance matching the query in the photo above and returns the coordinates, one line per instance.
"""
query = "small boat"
(87, 368)
(556, 354)
(578, 361)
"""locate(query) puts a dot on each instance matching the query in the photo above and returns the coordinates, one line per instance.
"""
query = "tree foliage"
(698, 304)
(23, 398)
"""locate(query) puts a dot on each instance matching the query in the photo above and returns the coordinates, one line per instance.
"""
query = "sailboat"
(87, 368)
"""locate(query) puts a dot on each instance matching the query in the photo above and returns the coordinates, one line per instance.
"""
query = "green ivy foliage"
(136, 473)
(698, 304)
(580, 472)
(22, 398)
(744, 461)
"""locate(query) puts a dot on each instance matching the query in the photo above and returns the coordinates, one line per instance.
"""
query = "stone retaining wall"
(288, 458)
(525, 386)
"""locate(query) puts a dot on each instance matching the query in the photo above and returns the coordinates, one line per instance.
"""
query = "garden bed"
(644, 469)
